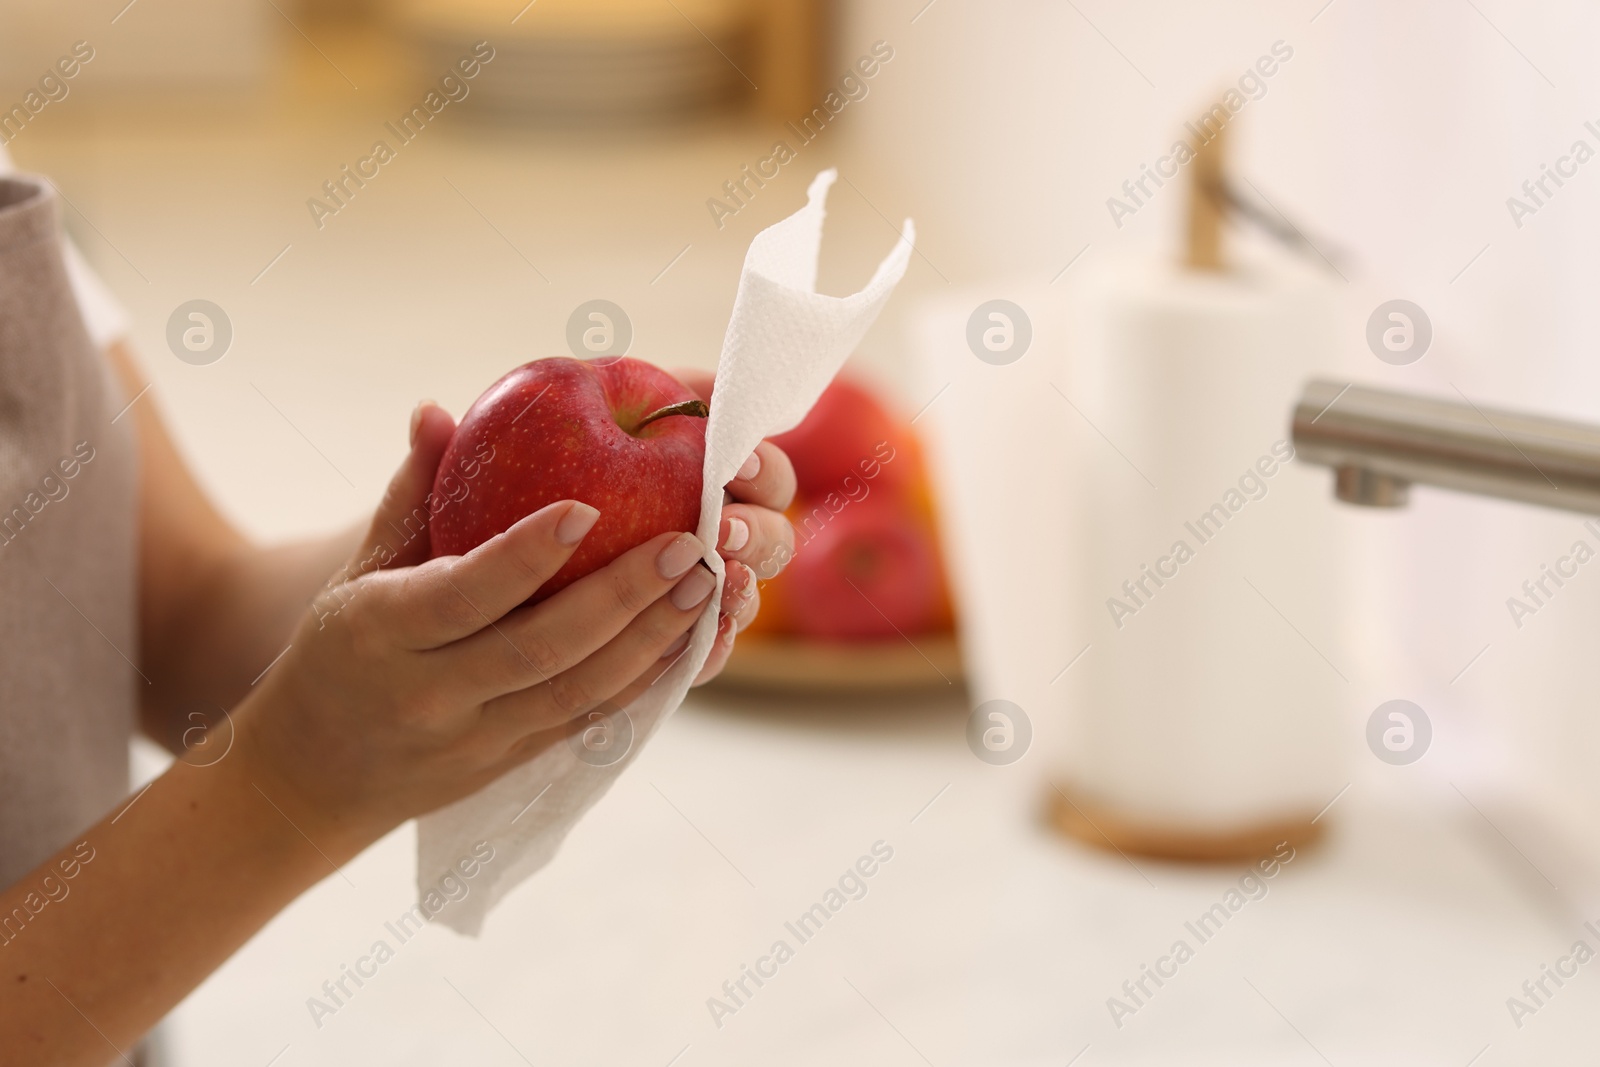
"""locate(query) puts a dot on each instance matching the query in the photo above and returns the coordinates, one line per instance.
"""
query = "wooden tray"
(769, 662)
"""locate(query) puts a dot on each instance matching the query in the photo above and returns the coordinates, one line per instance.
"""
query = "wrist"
(207, 800)
(316, 823)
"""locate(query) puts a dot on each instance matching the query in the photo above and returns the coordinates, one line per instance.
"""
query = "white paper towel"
(1215, 701)
(784, 344)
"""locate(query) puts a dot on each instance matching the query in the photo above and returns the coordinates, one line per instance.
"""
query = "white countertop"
(987, 939)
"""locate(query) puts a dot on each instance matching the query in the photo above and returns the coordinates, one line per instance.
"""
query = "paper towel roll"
(1204, 698)
(1212, 581)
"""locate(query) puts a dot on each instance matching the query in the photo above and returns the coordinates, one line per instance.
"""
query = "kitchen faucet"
(1380, 441)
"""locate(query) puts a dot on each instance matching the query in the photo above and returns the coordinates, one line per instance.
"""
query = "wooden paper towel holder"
(1207, 204)
(1079, 817)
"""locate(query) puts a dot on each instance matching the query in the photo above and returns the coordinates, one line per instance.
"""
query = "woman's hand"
(409, 685)
(416, 683)
(754, 538)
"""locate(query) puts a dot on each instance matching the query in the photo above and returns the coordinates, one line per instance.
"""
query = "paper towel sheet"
(784, 344)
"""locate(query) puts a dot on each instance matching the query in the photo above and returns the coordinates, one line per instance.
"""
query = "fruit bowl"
(862, 605)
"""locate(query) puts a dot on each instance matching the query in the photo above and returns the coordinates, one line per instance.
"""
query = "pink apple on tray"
(618, 434)
(872, 573)
(845, 427)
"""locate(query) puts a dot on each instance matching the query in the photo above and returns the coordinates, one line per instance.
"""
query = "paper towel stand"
(1211, 199)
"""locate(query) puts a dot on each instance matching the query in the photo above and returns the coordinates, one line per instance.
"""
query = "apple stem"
(696, 408)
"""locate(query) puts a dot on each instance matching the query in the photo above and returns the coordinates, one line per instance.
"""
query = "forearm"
(265, 592)
(231, 619)
(214, 609)
(159, 896)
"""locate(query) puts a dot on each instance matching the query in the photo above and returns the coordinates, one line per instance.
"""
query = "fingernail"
(681, 553)
(416, 420)
(693, 590)
(738, 534)
(678, 645)
(735, 597)
(751, 467)
(576, 523)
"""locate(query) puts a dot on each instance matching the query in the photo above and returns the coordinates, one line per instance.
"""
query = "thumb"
(398, 536)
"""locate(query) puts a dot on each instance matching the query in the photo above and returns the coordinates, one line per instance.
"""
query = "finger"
(759, 537)
(567, 733)
(453, 597)
(645, 648)
(631, 692)
(766, 478)
(530, 745)
(720, 650)
(741, 598)
(536, 643)
(526, 748)
(398, 535)
(642, 684)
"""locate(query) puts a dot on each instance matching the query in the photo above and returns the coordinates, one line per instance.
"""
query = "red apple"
(616, 433)
(870, 572)
(844, 436)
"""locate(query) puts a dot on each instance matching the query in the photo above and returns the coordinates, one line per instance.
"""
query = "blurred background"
(1147, 756)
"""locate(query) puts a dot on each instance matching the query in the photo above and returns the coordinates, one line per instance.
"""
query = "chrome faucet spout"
(1359, 485)
(1379, 442)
